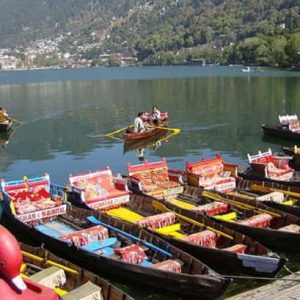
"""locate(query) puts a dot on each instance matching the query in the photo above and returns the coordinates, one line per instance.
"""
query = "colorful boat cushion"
(133, 254)
(86, 236)
(204, 238)
(276, 167)
(260, 220)
(294, 228)
(168, 265)
(211, 174)
(294, 125)
(154, 177)
(213, 208)
(158, 221)
(277, 197)
(99, 186)
(237, 248)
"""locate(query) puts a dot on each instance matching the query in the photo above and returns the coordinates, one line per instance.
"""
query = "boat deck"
(279, 290)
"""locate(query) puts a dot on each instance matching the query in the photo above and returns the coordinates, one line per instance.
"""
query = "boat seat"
(227, 217)
(213, 208)
(146, 263)
(153, 179)
(168, 265)
(260, 220)
(212, 174)
(87, 291)
(51, 277)
(99, 190)
(158, 221)
(237, 248)
(48, 231)
(291, 228)
(97, 245)
(107, 251)
(205, 238)
(169, 229)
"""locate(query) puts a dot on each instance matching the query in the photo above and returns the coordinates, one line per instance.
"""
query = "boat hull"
(280, 132)
(4, 127)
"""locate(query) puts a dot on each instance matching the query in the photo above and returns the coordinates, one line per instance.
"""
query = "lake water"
(218, 109)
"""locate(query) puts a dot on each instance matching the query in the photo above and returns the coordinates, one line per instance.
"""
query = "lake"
(66, 112)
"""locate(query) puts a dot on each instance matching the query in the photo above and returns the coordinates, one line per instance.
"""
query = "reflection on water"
(219, 110)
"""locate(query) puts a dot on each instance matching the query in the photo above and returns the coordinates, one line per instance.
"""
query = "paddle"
(96, 221)
(108, 134)
(17, 121)
(160, 206)
(175, 130)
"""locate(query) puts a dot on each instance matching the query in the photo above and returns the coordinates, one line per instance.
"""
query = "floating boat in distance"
(246, 69)
(205, 239)
(104, 245)
(289, 128)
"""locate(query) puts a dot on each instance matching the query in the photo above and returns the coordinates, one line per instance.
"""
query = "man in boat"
(138, 125)
(155, 115)
(4, 116)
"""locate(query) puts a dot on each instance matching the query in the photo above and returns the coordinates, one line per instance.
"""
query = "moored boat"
(67, 279)
(269, 167)
(215, 174)
(275, 229)
(289, 128)
(205, 239)
(108, 246)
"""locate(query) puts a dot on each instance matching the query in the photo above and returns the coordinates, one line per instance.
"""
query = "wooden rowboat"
(279, 131)
(43, 266)
(275, 229)
(107, 246)
(151, 131)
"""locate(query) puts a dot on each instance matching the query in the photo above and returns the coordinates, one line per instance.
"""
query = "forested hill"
(161, 31)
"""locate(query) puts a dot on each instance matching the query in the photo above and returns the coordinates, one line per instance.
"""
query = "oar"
(160, 206)
(17, 121)
(96, 221)
(108, 134)
(177, 130)
(116, 131)
(238, 204)
(264, 189)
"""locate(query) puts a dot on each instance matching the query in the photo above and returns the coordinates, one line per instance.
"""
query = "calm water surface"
(218, 109)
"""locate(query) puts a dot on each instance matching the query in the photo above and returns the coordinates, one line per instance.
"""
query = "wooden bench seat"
(212, 174)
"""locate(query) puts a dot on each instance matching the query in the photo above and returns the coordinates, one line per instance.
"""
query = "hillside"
(161, 31)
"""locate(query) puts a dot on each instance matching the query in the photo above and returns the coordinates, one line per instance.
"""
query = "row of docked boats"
(165, 229)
